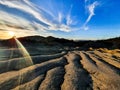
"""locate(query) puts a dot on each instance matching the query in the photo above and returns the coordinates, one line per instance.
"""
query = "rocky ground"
(73, 70)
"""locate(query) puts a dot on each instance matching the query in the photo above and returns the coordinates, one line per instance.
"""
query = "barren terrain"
(72, 70)
(59, 64)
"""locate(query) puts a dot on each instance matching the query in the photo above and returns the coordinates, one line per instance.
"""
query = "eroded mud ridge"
(75, 70)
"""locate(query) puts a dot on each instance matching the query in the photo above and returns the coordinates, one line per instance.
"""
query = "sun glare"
(11, 33)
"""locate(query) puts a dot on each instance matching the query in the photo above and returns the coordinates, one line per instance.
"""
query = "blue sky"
(71, 19)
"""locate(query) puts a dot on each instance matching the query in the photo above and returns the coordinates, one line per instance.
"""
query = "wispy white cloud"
(85, 27)
(60, 17)
(86, 1)
(10, 19)
(20, 26)
(41, 19)
(69, 20)
(37, 12)
(26, 7)
(61, 27)
(90, 9)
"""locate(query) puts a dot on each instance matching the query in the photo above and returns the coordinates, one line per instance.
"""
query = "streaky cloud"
(26, 7)
(69, 21)
(42, 19)
(39, 13)
(91, 9)
(60, 17)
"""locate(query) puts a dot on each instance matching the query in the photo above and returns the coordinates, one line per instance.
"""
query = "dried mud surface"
(75, 70)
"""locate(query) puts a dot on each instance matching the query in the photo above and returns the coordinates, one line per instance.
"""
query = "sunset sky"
(71, 19)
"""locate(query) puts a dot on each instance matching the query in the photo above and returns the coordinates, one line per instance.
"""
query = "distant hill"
(85, 44)
(113, 43)
(48, 40)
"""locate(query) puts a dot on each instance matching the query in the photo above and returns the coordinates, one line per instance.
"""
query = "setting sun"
(6, 34)
(11, 33)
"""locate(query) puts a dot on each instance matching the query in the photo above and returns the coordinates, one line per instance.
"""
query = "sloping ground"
(75, 70)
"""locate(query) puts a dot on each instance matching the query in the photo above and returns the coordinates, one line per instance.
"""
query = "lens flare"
(16, 58)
